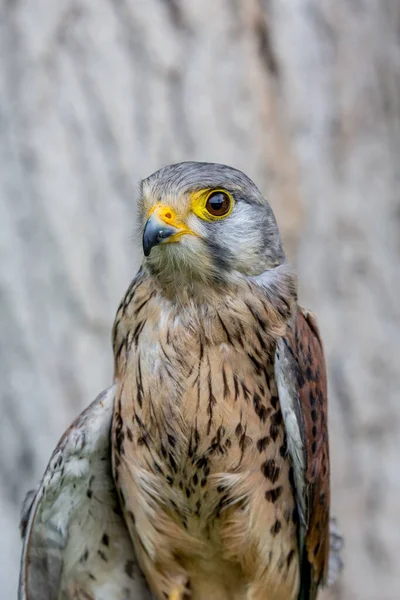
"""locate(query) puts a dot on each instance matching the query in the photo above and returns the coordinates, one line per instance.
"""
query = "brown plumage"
(206, 476)
(313, 399)
(304, 347)
(200, 446)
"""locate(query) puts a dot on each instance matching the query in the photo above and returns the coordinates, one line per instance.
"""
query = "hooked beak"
(162, 227)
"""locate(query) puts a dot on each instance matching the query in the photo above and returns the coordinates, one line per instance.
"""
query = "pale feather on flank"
(76, 544)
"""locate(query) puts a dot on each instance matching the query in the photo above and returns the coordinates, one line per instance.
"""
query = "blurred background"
(302, 95)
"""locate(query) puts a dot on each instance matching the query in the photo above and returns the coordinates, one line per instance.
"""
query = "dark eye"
(218, 204)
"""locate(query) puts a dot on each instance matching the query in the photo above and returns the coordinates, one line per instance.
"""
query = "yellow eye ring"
(212, 205)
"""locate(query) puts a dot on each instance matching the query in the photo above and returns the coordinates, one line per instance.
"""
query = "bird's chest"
(202, 422)
(199, 450)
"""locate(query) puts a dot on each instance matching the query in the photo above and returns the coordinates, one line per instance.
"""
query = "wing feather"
(76, 545)
(301, 378)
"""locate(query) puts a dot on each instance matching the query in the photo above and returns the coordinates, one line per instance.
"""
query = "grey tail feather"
(336, 544)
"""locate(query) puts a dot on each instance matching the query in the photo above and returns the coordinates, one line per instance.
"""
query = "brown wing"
(313, 400)
(302, 384)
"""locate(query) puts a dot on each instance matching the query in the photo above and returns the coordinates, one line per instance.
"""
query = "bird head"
(208, 223)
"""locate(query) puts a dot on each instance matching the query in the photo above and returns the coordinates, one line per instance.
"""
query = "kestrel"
(219, 439)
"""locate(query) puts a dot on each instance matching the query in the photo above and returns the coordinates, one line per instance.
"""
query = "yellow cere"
(167, 215)
(163, 211)
(199, 201)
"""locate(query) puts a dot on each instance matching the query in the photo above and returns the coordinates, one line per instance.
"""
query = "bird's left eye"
(218, 204)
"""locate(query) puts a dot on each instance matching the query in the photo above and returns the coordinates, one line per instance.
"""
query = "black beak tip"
(154, 234)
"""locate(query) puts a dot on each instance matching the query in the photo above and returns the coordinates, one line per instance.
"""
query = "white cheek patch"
(241, 234)
(197, 225)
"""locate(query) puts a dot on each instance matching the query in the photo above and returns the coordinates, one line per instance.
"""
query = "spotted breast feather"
(199, 445)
